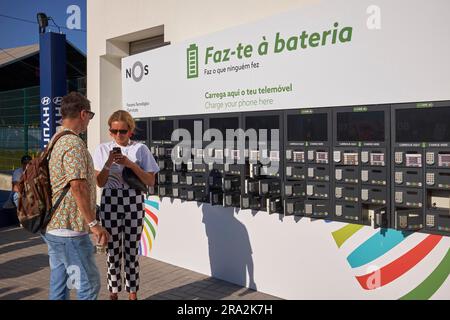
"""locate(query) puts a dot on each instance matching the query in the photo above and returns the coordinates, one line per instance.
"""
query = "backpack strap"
(49, 215)
(61, 197)
(50, 146)
(46, 153)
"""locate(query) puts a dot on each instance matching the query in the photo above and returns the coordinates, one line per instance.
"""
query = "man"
(70, 249)
(13, 199)
(16, 178)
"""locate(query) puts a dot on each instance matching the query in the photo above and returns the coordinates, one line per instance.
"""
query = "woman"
(122, 208)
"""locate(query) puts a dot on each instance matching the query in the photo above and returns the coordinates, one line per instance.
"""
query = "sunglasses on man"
(116, 131)
(90, 114)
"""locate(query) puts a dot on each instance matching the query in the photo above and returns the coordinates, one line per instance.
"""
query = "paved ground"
(24, 274)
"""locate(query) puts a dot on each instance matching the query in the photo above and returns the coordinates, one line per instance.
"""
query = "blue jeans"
(72, 266)
(15, 198)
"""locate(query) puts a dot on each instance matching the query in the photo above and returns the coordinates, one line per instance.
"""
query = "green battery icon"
(192, 61)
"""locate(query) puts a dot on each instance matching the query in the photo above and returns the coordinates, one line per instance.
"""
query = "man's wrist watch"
(93, 223)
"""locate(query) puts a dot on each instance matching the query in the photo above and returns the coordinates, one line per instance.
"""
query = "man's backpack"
(35, 193)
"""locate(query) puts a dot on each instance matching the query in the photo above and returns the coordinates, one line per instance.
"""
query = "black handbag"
(133, 180)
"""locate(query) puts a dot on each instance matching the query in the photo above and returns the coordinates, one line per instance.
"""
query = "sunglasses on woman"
(116, 131)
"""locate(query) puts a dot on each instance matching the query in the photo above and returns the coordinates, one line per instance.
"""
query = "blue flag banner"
(53, 85)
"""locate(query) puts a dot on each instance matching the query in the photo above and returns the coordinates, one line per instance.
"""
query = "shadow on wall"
(230, 256)
(230, 252)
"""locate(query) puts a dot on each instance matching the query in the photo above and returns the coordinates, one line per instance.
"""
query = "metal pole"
(25, 120)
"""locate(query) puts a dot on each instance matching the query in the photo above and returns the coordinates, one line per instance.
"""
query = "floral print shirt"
(70, 160)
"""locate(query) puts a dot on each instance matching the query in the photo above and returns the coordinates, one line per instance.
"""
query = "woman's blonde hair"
(122, 115)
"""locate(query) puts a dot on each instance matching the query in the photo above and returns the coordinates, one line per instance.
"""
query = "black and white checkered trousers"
(122, 215)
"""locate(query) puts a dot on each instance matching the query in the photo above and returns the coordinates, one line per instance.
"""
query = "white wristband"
(93, 223)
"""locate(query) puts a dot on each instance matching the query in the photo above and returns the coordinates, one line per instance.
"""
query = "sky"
(15, 33)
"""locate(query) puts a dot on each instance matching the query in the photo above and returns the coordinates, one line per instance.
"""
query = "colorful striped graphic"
(150, 225)
(343, 234)
(381, 244)
(432, 283)
(400, 266)
(375, 247)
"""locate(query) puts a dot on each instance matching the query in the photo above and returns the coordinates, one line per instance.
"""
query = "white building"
(377, 52)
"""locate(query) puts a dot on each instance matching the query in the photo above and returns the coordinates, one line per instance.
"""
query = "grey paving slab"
(24, 275)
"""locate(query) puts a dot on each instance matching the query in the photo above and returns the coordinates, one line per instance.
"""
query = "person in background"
(122, 208)
(17, 174)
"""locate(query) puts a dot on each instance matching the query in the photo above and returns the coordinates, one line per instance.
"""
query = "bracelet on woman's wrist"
(106, 167)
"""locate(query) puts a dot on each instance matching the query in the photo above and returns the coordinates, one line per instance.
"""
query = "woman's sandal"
(113, 296)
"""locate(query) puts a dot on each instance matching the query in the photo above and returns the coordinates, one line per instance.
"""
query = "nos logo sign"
(137, 71)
